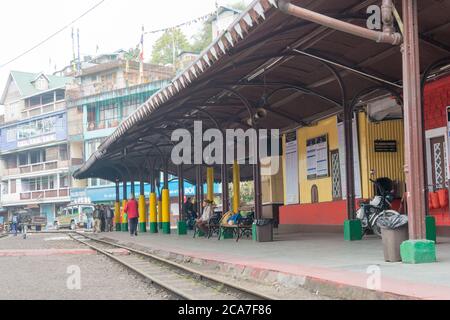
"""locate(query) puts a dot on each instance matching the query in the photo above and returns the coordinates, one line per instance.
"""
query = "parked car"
(74, 216)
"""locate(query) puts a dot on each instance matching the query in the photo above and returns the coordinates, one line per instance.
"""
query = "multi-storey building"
(106, 91)
(35, 155)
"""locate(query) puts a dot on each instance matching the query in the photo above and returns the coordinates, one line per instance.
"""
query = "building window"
(41, 84)
(37, 156)
(63, 153)
(48, 98)
(11, 135)
(314, 194)
(336, 175)
(13, 186)
(23, 159)
(64, 181)
(35, 101)
(91, 146)
(36, 128)
(60, 95)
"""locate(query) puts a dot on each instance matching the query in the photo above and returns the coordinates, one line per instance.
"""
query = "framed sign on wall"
(317, 158)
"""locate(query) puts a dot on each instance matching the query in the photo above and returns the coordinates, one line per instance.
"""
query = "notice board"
(291, 165)
(317, 158)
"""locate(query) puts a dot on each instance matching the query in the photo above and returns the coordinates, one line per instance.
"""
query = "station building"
(348, 108)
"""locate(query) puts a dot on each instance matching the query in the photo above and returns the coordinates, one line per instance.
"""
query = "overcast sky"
(116, 24)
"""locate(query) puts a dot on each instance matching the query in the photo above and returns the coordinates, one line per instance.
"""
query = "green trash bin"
(264, 230)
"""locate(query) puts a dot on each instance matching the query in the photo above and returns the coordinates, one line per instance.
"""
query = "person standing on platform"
(131, 209)
(102, 218)
(109, 215)
(97, 219)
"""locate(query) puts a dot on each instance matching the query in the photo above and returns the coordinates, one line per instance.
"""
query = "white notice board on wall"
(291, 165)
(317, 158)
(342, 154)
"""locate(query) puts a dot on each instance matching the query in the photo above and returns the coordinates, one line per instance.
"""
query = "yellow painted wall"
(384, 164)
(388, 165)
(325, 127)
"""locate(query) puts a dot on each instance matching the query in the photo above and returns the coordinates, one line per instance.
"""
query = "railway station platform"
(320, 262)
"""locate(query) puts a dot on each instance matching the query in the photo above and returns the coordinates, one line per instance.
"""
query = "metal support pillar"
(124, 204)
(181, 225)
(349, 161)
(153, 206)
(210, 183)
(165, 210)
(257, 181)
(117, 220)
(417, 249)
(414, 167)
(198, 202)
(224, 176)
(236, 187)
(142, 207)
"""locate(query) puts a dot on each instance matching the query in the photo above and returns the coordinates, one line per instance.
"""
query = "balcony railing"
(44, 195)
(39, 167)
(48, 108)
(16, 198)
(108, 124)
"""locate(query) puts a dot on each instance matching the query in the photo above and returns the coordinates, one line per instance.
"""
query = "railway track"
(182, 281)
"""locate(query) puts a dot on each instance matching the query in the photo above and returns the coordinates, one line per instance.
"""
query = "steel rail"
(194, 274)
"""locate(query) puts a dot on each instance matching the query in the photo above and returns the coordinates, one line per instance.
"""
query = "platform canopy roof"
(277, 62)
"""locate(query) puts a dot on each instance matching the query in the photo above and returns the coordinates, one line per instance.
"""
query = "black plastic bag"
(392, 222)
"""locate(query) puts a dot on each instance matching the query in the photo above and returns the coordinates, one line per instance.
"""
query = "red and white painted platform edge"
(355, 283)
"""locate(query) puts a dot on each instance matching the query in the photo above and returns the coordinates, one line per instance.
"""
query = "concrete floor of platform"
(320, 256)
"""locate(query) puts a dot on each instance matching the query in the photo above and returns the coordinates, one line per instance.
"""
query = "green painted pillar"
(182, 228)
(353, 230)
(430, 223)
(418, 251)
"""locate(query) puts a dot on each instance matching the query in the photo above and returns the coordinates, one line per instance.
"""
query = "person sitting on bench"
(208, 209)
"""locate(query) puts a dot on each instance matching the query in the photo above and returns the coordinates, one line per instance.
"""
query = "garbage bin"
(394, 231)
(38, 228)
(264, 230)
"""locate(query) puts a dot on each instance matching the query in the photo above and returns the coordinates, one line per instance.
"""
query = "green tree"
(171, 43)
(203, 38)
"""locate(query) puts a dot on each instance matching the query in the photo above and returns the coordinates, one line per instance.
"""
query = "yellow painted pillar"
(159, 214)
(236, 187)
(210, 183)
(153, 213)
(165, 211)
(117, 220)
(124, 216)
(142, 220)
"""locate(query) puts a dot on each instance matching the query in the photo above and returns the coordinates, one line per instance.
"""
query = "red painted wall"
(327, 213)
(437, 99)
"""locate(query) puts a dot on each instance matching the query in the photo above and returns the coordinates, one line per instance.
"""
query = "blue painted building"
(34, 151)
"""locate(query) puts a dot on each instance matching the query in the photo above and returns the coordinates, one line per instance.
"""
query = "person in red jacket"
(131, 209)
